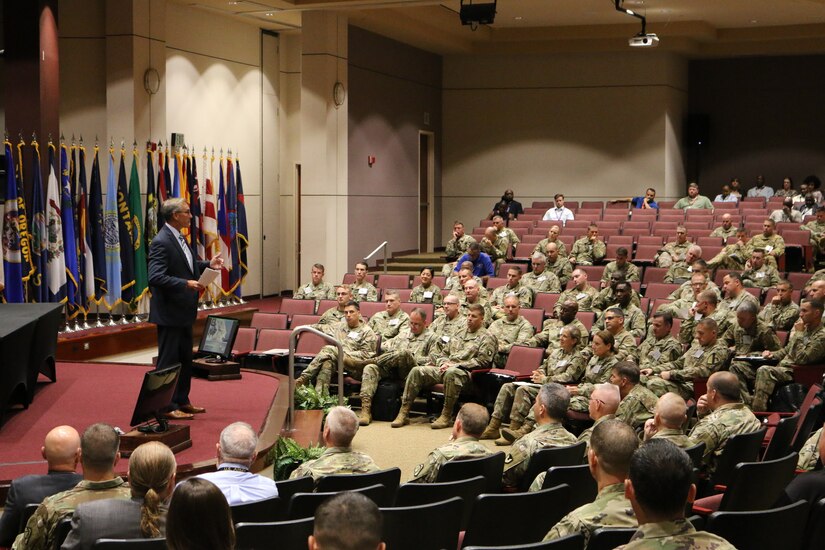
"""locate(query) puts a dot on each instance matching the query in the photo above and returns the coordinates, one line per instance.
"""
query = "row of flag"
(75, 246)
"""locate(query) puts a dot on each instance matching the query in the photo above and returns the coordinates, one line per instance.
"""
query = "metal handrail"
(293, 338)
(379, 247)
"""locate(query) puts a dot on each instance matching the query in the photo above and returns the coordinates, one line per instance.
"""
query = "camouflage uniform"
(723, 233)
(809, 454)
(457, 248)
(610, 509)
(685, 292)
(625, 346)
(399, 356)
(497, 250)
(677, 437)
(774, 246)
(672, 252)
(387, 326)
(817, 233)
(697, 362)
(444, 329)
(329, 320)
(629, 271)
(542, 247)
(455, 288)
(547, 435)
(720, 315)
(40, 529)
(637, 406)
(522, 292)
(678, 272)
(656, 352)
(766, 277)
(806, 347)
(510, 235)
(583, 297)
(634, 321)
(545, 281)
(674, 535)
(561, 268)
(585, 435)
(714, 430)
(563, 367)
(548, 338)
(509, 334)
(359, 343)
(780, 317)
(733, 256)
(463, 447)
(364, 292)
(335, 461)
(488, 311)
(732, 304)
(754, 341)
(606, 298)
(322, 291)
(597, 372)
(586, 253)
(430, 295)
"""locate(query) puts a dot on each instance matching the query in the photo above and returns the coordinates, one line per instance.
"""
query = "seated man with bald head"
(668, 419)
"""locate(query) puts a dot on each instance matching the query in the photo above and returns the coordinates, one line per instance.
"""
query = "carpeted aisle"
(86, 393)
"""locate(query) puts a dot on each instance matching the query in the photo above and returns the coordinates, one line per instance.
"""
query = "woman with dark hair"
(426, 292)
(787, 188)
(597, 371)
(199, 518)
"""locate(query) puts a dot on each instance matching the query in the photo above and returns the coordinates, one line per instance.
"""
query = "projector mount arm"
(620, 7)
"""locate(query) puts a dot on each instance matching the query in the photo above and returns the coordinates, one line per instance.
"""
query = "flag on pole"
(223, 231)
(210, 215)
(162, 194)
(124, 225)
(176, 177)
(40, 234)
(98, 231)
(56, 261)
(111, 238)
(24, 223)
(14, 240)
(72, 275)
(243, 231)
(196, 224)
(84, 239)
(167, 176)
(152, 224)
(232, 213)
(139, 247)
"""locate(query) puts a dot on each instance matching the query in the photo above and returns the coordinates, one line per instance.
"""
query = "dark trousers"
(175, 346)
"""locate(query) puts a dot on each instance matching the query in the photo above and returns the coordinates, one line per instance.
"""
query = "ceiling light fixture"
(643, 39)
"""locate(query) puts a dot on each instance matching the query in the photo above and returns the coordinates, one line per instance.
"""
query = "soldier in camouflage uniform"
(550, 409)
(621, 266)
(607, 296)
(705, 356)
(472, 296)
(504, 231)
(582, 293)
(728, 417)
(674, 251)
(669, 416)
(98, 455)
(552, 238)
(333, 316)
(548, 338)
(318, 289)
(340, 428)
(809, 454)
(557, 262)
(770, 242)
(759, 274)
(706, 308)
(597, 371)
(472, 348)
(681, 271)
(638, 403)
(494, 245)
(727, 229)
(445, 326)
(409, 349)
(511, 330)
(540, 279)
(624, 342)
(806, 347)
(781, 312)
(457, 246)
(612, 445)
(426, 292)
(684, 297)
(588, 250)
(362, 290)
(748, 336)
(464, 443)
(817, 229)
(634, 319)
(359, 343)
(389, 323)
(513, 287)
(733, 256)
(687, 290)
(659, 347)
(456, 284)
(660, 486)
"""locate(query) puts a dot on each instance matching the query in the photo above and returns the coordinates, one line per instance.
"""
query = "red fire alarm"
(370, 160)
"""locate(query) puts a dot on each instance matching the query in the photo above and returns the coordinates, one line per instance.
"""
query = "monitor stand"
(214, 370)
(176, 437)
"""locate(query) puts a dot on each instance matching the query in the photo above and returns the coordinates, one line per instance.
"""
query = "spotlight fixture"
(478, 13)
(643, 39)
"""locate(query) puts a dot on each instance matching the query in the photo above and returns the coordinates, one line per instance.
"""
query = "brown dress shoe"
(192, 409)
(178, 415)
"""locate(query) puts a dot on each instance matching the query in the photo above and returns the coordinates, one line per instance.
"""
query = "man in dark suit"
(61, 449)
(174, 271)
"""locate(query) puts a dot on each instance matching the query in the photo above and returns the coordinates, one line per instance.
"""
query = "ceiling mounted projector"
(478, 13)
(649, 40)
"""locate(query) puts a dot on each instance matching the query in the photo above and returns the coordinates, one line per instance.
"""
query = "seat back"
(62, 531)
(259, 511)
(570, 542)
(608, 538)
(301, 319)
(434, 525)
(368, 309)
(389, 478)
(780, 443)
(524, 360)
(268, 320)
(534, 513)
(534, 316)
(290, 535)
(28, 512)
(289, 487)
(416, 494)
(807, 417)
(245, 340)
(758, 485)
(696, 453)
(738, 448)
(572, 455)
(815, 533)
(386, 280)
(583, 486)
(273, 339)
(303, 505)
(491, 467)
(776, 528)
(546, 301)
(129, 544)
(326, 305)
(291, 306)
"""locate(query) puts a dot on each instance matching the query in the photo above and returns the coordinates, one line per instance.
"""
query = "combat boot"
(502, 441)
(322, 382)
(491, 431)
(302, 381)
(512, 435)
(445, 420)
(403, 417)
(365, 417)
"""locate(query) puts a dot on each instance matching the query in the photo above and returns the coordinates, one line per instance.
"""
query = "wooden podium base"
(228, 370)
(176, 438)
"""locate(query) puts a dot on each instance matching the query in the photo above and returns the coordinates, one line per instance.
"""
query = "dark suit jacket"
(107, 519)
(31, 490)
(173, 304)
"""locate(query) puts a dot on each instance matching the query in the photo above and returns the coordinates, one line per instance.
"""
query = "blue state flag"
(111, 238)
(12, 240)
(39, 278)
(69, 240)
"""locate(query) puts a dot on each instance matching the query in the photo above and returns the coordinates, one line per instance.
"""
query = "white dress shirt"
(558, 215)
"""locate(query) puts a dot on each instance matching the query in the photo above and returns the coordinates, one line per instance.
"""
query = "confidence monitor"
(218, 338)
(154, 399)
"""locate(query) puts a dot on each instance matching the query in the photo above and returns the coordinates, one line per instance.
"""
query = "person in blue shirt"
(648, 201)
(482, 264)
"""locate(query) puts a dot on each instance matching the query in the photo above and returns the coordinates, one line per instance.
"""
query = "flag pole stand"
(67, 328)
(111, 322)
(124, 319)
(99, 323)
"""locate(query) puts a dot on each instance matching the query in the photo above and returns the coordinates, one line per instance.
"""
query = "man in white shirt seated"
(236, 453)
(559, 213)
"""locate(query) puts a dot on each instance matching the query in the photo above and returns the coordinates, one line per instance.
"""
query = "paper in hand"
(208, 275)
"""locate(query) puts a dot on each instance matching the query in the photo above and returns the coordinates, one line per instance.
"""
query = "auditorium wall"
(587, 125)
(765, 117)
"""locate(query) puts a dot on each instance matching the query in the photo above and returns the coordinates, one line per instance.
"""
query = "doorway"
(426, 193)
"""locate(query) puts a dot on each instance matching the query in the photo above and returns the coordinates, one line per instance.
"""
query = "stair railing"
(374, 252)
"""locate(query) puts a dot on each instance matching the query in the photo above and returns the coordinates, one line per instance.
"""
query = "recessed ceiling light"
(518, 18)
(754, 21)
(270, 14)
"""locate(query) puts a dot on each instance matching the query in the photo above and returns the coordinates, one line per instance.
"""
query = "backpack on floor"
(387, 400)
